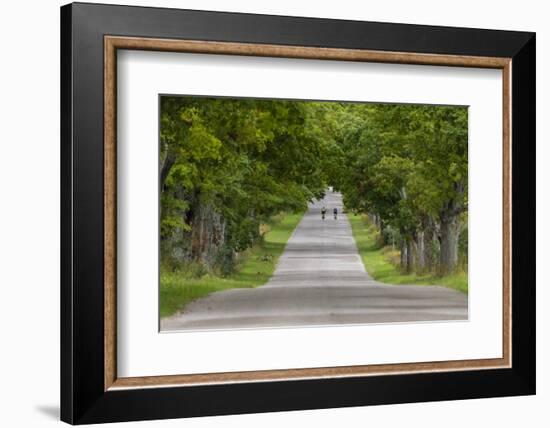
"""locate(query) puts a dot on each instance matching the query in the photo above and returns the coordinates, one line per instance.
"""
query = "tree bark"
(410, 255)
(208, 235)
(448, 254)
(196, 234)
(430, 239)
(372, 218)
(166, 167)
(403, 256)
(420, 252)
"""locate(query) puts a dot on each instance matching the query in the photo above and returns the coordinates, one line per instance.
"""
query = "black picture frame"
(83, 398)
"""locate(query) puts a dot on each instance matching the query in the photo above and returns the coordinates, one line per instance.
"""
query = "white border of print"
(143, 351)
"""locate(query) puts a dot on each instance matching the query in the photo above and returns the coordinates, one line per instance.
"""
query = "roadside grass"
(255, 267)
(381, 263)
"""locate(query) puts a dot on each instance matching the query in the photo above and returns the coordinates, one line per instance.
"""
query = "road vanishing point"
(320, 280)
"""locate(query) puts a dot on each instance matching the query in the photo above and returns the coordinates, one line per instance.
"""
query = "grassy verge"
(378, 263)
(255, 268)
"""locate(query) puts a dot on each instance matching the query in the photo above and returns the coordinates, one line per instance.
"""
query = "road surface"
(320, 280)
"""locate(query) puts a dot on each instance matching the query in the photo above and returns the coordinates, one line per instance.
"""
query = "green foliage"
(248, 159)
(406, 161)
(408, 164)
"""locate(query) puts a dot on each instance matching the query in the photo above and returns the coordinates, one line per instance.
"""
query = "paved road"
(320, 280)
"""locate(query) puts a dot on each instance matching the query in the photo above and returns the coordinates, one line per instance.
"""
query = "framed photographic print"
(266, 213)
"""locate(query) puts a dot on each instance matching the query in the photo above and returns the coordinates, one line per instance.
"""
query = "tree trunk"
(448, 254)
(430, 240)
(166, 167)
(403, 256)
(196, 234)
(372, 218)
(410, 256)
(208, 231)
(420, 252)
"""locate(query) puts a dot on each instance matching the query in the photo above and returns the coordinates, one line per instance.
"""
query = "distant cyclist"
(323, 212)
(335, 211)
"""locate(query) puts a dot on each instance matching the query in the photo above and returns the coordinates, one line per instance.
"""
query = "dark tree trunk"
(164, 170)
(197, 241)
(410, 255)
(208, 232)
(166, 167)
